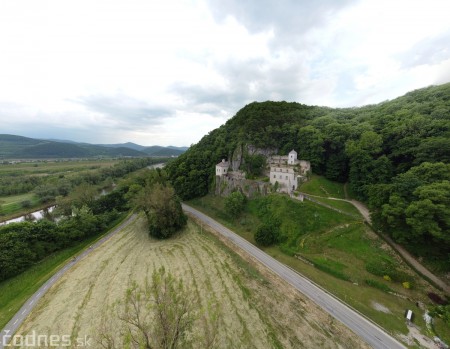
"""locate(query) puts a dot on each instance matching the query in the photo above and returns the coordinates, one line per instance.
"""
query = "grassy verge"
(15, 291)
(442, 330)
(12, 205)
(321, 186)
(334, 254)
(340, 205)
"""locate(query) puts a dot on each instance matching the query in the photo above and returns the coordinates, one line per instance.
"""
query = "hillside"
(18, 147)
(157, 150)
(154, 150)
(124, 145)
(394, 155)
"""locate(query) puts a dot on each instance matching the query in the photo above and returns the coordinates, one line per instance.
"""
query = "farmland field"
(254, 310)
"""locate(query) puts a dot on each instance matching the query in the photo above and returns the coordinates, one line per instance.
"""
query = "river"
(34, 216)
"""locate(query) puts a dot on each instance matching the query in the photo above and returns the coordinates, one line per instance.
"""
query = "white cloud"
(168, 72)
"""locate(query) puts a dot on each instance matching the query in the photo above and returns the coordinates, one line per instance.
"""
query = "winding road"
(11, 327)
(366, 330)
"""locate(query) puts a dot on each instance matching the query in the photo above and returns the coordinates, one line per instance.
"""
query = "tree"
(160, 315)
(430, 214)
(84, 194)
(254, 164)
(310, 147)
(268, 233)
(163, 210)
(234, 203)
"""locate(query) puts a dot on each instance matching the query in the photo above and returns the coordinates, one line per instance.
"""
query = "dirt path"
(405, 254)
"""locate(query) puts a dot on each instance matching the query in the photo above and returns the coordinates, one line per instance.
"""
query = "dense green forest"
(394, 155)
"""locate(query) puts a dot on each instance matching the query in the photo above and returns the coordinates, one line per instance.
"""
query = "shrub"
(379, 285)
(406, 285)
(387, 270)
(436, 299)
(330, 267)
(26, 204)
(234, 203)
(380, 268)
(332, 272)
(266, 235)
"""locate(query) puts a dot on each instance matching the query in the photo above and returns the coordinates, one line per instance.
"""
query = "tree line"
(84, 213)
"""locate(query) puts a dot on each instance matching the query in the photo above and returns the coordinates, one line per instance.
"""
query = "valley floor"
(254, 312)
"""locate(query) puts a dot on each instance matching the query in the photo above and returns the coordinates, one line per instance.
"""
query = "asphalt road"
(366, 330)
(11, 327)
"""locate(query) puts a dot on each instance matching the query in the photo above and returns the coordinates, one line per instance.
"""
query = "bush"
(265, 235)
(406, 285)
(331, 267)
(26, 204)
(387, 270)
(381, 268)
(234, 203)
(268, 233)
(436, 299)
(379, 285)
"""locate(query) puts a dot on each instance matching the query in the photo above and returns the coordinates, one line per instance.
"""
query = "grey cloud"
(428, 51)
(126, 110)
(290, 21)
(246, 82)
(285, 17)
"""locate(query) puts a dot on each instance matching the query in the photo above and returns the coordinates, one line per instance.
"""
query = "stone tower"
(292, 157)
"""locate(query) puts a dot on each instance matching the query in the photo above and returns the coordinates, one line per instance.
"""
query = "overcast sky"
(168, 72)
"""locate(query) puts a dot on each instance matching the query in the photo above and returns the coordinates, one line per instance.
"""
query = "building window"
(274, 176)
(280, 176)
(286, 177)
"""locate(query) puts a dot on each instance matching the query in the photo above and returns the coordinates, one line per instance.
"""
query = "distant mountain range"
(18, 147)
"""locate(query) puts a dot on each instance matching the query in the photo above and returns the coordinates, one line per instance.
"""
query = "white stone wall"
(221, 170)
(286, 177)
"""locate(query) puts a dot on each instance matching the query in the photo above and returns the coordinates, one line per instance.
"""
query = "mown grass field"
(15, 291)
(47, 167)
(334, 251)
(253, 311)
(12, 204)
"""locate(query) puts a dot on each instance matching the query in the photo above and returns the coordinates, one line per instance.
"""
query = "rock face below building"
(225, 185)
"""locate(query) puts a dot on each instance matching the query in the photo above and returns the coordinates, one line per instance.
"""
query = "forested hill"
(18, 147)
(395, 155)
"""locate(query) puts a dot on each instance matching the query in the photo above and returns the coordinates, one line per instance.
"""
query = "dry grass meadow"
(255, 311)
